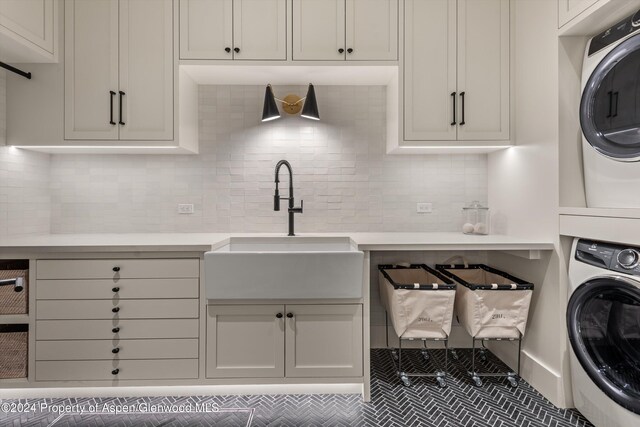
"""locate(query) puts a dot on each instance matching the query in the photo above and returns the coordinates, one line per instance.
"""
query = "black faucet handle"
(297, 210)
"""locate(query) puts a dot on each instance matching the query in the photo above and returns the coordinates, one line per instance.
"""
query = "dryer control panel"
(624, 259)
(615, 33)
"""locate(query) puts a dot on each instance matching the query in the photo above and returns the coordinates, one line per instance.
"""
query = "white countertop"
(200, 242)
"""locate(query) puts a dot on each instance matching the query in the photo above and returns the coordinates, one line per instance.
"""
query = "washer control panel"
(624, 259)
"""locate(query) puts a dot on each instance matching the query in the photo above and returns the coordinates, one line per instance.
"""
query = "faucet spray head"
(276, 200)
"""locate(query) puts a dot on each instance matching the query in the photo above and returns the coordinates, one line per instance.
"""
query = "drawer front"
(126, 288)
(87, 370)
(103, 329)
(117, 309)
(126, 349)
(117, 268)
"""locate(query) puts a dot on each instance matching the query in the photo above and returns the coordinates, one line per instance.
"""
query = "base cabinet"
(276, 340)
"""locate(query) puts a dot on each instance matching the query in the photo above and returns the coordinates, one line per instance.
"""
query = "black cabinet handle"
(116, 269)
(615, 104)
(122, 94)
(341, 50)
(227, 49)
(115, 372)
(115, 350)
(115, 289)
(236, 49)
(279, 315)
(610, 103)
(462, 122)
(115, 330)
(289, 315)
(453, 96)
(349, 50)
(115, 309)
(111, 95)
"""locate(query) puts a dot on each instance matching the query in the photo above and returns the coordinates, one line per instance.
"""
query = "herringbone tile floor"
(461, 404)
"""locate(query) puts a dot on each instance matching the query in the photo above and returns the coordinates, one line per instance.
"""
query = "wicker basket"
(12, 302)
(13, 351)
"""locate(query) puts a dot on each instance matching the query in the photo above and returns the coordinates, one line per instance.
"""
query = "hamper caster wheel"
(483, 355)
(513, 382)
(425, 355)
(454, 355)
(405, 380)
(442, 383)
(394, 354)
(477, 381)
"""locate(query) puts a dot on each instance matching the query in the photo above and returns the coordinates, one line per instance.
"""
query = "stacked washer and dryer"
(603, 313)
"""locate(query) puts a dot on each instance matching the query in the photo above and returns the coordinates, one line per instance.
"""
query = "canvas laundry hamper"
(419, 300)
(490, 303)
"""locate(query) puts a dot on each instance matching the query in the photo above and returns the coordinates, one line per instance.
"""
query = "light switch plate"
(186, 208)
(422, 208)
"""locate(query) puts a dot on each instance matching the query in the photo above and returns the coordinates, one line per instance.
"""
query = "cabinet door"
(569, 9)
(31, 24)
(91, 69)
(324, 341)
(260, 29)
(319, 30)
(483, 69)
(206, 29)
(372, 30)
(146, 69)
(245, 341)
(430, 70)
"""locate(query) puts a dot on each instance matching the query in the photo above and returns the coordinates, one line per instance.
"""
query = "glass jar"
(476, 218)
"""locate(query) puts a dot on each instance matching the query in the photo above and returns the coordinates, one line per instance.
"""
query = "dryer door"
(603, 319)
(610, 105)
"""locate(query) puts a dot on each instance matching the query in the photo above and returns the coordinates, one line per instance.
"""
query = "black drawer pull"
(115, 330)
(289, 315)
(115, 289)
(116, 269)
(115, 309)
(115, 372)
(115, 350)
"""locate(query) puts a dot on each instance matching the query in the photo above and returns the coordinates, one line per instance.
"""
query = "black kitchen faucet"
(276, 196)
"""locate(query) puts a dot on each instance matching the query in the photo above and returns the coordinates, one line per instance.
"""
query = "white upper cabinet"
(330, 30)
(483, 69)
(146, 69)
(372, 30)
(206, 29)
(456, 70)
(233, 29)
(119, 78)
(569, 9)
(91, 69)
(430, 69)
(319, 30)
(28, 30)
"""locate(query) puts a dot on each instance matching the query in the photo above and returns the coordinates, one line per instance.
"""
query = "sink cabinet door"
(324, 341)
(245, 341)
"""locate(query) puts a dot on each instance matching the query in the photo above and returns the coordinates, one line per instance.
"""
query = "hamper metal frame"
(441, 373)
(476, 377)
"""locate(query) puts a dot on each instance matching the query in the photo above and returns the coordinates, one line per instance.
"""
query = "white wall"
(24, 184)
(340, 170)
(523, 183)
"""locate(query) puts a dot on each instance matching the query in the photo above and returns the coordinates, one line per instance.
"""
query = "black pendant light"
(310, 109)
(270, 109)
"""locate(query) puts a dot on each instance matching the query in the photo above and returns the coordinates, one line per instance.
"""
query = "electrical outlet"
(186, 208)
(422, 208)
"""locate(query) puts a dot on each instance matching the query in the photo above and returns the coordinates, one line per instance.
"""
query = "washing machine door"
(603, 319)
(610, 105)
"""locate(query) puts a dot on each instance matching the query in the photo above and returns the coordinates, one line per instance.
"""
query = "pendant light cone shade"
(270, 109)
(310, 109)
